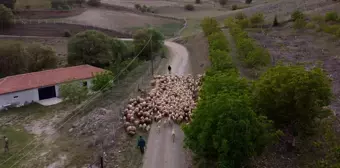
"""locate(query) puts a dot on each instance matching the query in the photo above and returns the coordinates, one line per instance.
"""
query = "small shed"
(36, 86)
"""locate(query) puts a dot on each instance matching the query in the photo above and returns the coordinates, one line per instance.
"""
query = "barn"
(26, 88)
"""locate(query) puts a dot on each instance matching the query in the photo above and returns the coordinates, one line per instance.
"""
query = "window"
(85, 83)
(15, 97)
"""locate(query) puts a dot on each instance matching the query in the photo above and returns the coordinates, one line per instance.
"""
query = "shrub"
(318, 18)
(197, 1)
(248, 1)
(189, 7)
(240, 16)
(40, 57)
(209, 26)
(27, 7)
(222, 2)
(275, 22)
(217, 41)
(293, 96)
(234, 7)
(57, 4)
(297, 15)
(94, 2)
(310, 25)
(102, 80)
(337, 33)
(6, 17)
(73, 92)
(138, 6)
(257, 19)
(89, 47)
(331, 16)
(67, 7)
(299, 24)
(67, 33)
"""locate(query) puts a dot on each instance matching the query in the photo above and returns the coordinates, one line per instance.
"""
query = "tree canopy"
(293, 96)
(6, 17)
(142, 37)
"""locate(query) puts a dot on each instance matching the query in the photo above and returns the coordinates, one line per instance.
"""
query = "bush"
(94, 3)
(318, 18)
(6, 17)
(67, 33)
(189, 7)
(138, 6)
(299, 24)
(297, 15)
(234, 7)
(257, 19)
(293, 96)
(102, 80)
(337, 33)
(331, 16)
(275, 22)
(141, 38)
(217, 41)
(248, 1)
(310, 25)
(209, 26)
(240, 16)
(17, 58)
(222, 2)
(57, 4)
(197, 1)
(89, 47)
(74, 92)
(8, 3)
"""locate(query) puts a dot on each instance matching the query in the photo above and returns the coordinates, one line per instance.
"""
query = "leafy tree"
(218, 41)
(6, 17)
(40, 57)
(293, 96)
(8, 3)
(223, 2)
(209, 26)
(13, 59)
(142, 42)
(90, 47)
(102, 80)
(74, 92)
(224, 128)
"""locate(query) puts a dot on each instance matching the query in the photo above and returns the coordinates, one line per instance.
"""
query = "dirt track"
(161, 151)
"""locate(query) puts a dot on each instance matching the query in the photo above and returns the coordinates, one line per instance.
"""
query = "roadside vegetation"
(236, 120)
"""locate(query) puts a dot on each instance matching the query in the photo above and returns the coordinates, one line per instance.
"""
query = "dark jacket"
(141, 142)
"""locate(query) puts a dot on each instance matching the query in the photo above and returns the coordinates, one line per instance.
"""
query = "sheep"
(173, 135)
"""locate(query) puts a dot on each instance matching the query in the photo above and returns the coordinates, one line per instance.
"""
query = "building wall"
(22, 97)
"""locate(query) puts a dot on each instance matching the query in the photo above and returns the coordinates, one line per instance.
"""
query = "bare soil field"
(51, 29)
(48, 14)
(33, 4)
(117, 20)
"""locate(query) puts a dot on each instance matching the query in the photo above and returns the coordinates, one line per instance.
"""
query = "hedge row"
(225, 131)
(250, 53)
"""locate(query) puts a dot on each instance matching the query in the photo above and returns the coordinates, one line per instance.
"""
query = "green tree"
(102, 80)
(74, 92)
(13, 59)
(90, 47)
(257, 19)
(224, 128)
(293, 96)
(6, 17)
(223, 2)
(141, 41)
(209, 26)
(218, 41)
(40, 57)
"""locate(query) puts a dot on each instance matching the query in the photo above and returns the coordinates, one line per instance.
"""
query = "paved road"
(161, 152)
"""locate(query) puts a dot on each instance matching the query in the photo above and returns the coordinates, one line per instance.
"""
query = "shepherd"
(141, 144)
(169, 69)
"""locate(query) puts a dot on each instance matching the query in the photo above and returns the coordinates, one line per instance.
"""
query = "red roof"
(46, 78)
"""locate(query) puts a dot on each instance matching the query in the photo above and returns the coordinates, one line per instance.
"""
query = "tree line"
(236, 119)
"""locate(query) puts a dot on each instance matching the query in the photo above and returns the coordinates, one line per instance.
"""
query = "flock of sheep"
(173, 97)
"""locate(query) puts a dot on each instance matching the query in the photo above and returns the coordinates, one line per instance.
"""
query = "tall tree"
(143, 41)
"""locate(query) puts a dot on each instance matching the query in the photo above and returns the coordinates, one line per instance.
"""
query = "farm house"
(42, 86)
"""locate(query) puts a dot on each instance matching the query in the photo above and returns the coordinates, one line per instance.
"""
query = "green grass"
(34, 4)
(18, 139)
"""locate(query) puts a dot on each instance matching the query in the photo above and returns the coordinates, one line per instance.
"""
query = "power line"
(78, 107)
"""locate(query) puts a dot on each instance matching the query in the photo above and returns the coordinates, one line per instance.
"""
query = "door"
(47, 92)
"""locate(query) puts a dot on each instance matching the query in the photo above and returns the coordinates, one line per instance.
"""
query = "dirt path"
(161, 151)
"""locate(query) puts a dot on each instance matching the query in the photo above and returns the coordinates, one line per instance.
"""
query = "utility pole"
(151, 54)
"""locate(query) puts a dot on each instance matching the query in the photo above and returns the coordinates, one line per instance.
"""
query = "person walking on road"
(169, 69)
(6, 144)
(141, 144)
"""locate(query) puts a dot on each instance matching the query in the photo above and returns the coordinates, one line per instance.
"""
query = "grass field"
(33, 4)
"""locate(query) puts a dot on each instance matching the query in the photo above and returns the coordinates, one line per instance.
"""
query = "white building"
(36, 86)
